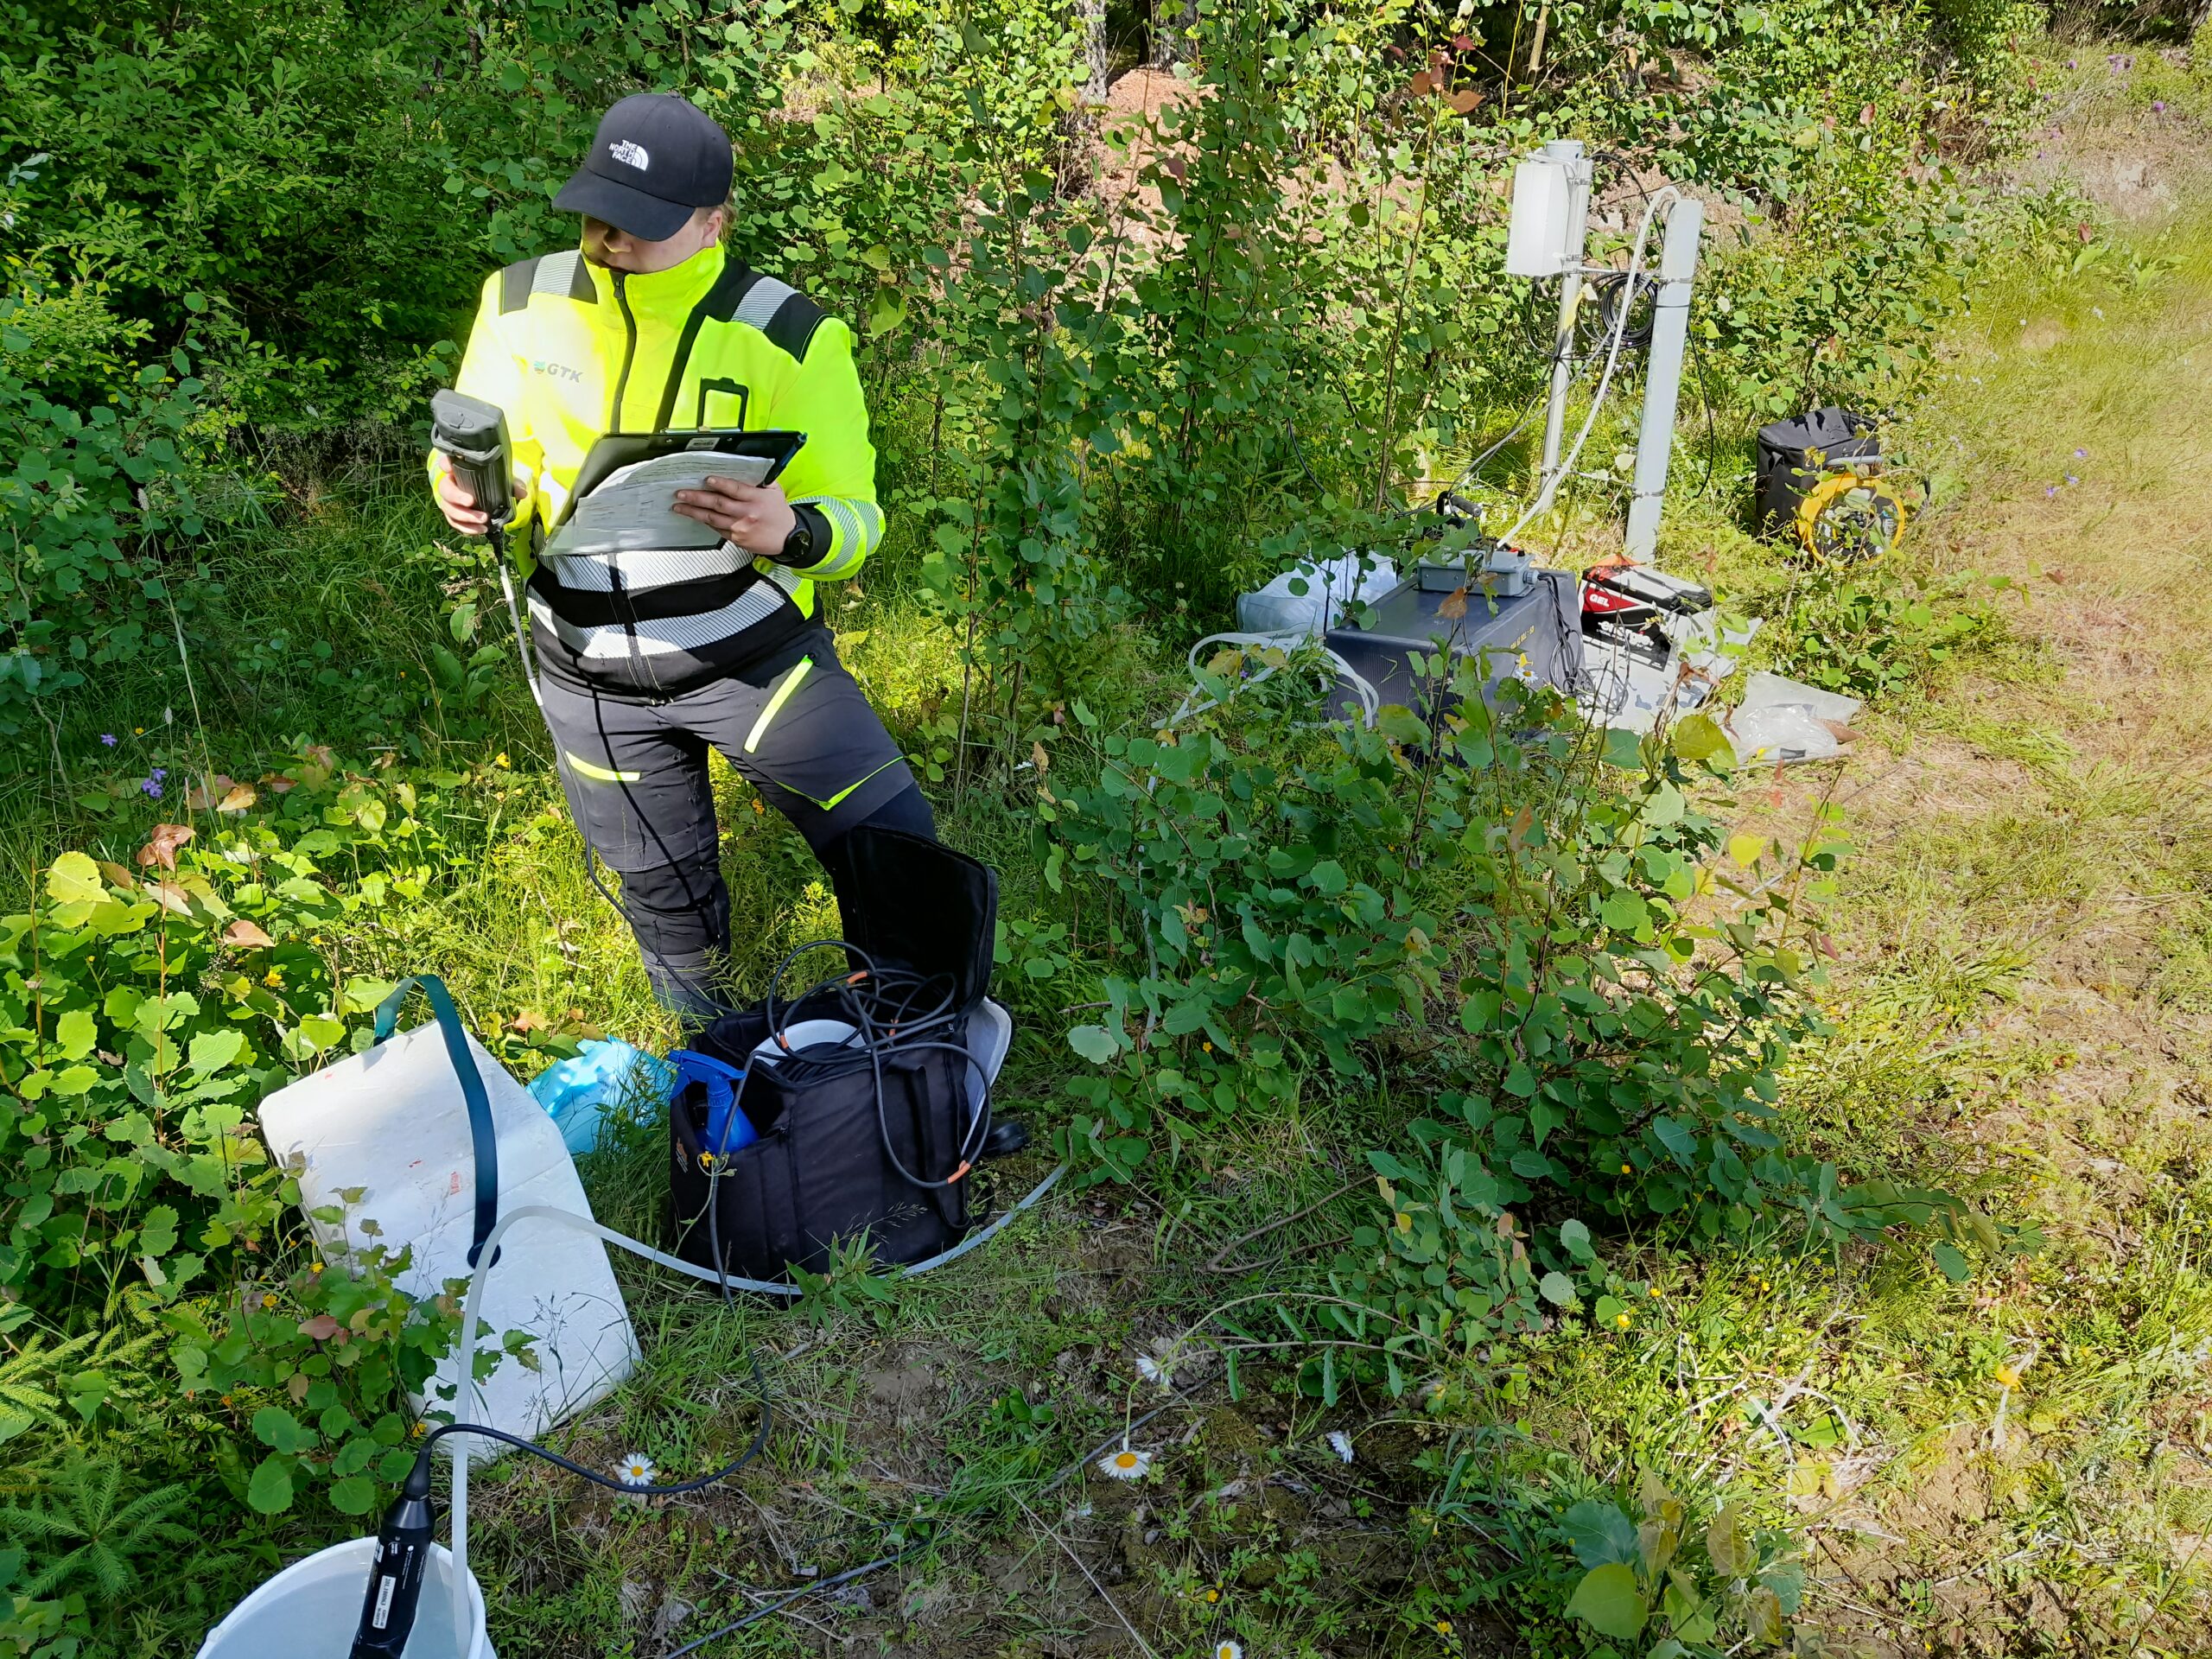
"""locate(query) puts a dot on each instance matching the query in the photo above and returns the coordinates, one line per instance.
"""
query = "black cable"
(671, 1489)
(799, 1594)
(877, 1565)
(860, 995)
(1617, 294)
(1528, 414)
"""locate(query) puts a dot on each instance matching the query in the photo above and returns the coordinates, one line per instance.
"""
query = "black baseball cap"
(655, 159)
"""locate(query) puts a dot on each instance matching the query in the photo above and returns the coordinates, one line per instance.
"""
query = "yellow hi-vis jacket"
(572, 351)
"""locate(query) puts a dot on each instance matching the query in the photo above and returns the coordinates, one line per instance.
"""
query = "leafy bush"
(143, 1012)
(1539, 928)
(1868, 633)
(1623, 1569)
(98, 496)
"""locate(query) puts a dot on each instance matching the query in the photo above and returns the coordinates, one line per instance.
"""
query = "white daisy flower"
(1125, 1464)
(1340, 1443)
(636, 1470)
(1228, 1651)
(1152, 1371)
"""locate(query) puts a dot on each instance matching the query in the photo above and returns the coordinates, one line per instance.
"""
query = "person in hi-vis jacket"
(647, 659)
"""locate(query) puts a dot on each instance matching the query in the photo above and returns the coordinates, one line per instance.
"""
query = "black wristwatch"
(800, 545)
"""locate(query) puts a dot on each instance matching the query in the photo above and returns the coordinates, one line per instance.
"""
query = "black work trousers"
(795, 725)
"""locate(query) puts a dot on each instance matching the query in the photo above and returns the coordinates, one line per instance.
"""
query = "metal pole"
(1671, 327)
(1567, 151)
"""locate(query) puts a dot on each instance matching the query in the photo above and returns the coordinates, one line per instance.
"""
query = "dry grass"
(2025, 1011)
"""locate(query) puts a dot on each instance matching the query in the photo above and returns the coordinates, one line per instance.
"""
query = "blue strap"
(483, 1141)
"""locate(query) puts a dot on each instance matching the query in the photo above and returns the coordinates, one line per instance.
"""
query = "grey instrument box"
(1534, 637)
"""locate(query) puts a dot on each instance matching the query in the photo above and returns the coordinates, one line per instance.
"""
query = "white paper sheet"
(633, 510)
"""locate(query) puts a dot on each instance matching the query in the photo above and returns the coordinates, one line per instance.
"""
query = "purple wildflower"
(2080, 455)
(152, 789)
(2159, 108)
(2070, 478)
(158, 773)
(2052, 491)
(108, 738)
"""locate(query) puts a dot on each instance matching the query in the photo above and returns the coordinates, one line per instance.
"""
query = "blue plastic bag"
(580, 1092)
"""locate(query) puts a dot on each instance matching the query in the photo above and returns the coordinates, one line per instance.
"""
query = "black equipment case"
(1796, 454)
(873, 1138)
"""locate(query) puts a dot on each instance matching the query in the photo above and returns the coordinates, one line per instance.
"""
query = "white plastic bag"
(1782, 731)
(1329, 588)
(1783, 720)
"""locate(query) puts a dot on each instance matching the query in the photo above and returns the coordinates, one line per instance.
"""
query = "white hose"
(472, 1398)
(1285, 639)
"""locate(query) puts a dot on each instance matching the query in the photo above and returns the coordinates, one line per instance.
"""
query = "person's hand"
(754, 517)
(458, 503)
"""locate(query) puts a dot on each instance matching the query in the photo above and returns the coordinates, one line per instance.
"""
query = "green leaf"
(320, 1030)
(1623, 750)
(1728, 1541)
(355, 1495)
(75, 880)
(1608, 1601)
(75, 1032)
(1328, 878)
(276, 1427)
(1677, 1137)
(1557, 1289)
(1624, 912)
(1094, 1043)
(363, 994)
(214, 1050)
(270, 1489)
(1952, 1261)
(1698, 737)
(1576, 1237)
(1598, 1532)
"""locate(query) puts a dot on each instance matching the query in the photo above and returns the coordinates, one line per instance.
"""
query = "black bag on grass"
(1794, 455)
(875, 1135)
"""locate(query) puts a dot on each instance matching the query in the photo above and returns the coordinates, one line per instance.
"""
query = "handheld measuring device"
(472, 435)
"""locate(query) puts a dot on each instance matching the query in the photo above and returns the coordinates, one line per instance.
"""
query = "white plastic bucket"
(311, 1610)
(803, 1034)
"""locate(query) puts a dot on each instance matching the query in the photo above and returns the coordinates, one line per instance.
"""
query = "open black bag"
(876, 1137)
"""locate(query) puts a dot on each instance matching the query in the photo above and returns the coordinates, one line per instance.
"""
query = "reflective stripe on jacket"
(571, 351)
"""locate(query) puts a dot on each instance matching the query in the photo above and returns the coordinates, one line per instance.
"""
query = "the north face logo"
(629, 154)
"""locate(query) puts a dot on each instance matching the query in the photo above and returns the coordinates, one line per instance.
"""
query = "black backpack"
(876, 1135)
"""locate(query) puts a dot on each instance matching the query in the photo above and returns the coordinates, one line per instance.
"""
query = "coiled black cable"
(887, 1009)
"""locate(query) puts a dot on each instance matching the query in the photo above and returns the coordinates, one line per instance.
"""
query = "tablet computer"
(616, 450)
